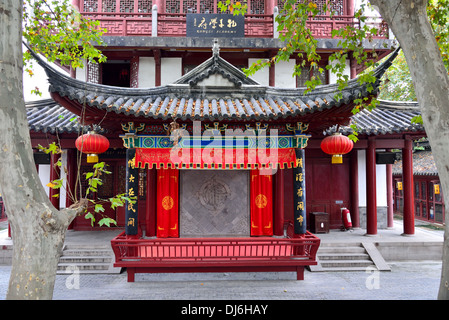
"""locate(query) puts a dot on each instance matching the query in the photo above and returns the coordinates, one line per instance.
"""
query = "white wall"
(262, 76)
(146, 73)
(284, 74)
(44, 176)
(81, 73)
(171, 70)
(333, 77)
(381, 181)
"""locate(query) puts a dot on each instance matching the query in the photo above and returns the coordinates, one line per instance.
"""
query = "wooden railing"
(256, 25)
(215, 254)
(123, 24)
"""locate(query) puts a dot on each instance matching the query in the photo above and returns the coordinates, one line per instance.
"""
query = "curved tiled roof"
(194, 97)
(48, 116)
(423, 164)
(387, 118)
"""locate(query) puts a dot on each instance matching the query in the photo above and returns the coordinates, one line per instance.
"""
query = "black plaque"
(132, 186)
(299, 189)
(385, 157)
(215, 25)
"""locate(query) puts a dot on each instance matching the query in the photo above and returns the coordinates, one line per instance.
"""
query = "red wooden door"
(328, 188)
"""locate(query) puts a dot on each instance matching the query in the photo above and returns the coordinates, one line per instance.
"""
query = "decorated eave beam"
(250, 150)
(192, 97)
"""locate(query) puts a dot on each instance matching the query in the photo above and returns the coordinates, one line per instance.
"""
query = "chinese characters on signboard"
(215, 25)
(132, 184)
(299, 196)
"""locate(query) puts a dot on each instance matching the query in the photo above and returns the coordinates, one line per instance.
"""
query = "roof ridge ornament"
(215, 49)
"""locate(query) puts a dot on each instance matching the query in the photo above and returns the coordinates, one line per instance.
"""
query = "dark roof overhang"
(193, 98)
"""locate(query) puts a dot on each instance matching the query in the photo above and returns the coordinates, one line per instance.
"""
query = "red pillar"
(407, 178)
(279, 204)
(55, 173)
(355, 216)
(371, 200)
(389, 173)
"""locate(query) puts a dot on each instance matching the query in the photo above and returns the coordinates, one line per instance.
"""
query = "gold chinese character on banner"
(131, 207)
(299, 163)
(299, 177)
(203, 23)
(300, 206)
(131, 178)
(300, 220)
(131, 222)
(131, 192)
(131, 163)
(300, 192)
(231, 23)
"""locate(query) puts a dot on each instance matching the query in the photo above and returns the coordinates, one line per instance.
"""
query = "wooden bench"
(261, 254)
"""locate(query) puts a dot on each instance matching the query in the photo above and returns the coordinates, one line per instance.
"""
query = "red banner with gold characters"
(261, 204)
(206, 159)
(167, 203)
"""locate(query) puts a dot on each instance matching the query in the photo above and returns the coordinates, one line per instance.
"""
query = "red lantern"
(92, 144)
(337, 145)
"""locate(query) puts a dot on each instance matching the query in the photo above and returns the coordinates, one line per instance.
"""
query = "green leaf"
(90, 216)
(99, 208)
(106, 221)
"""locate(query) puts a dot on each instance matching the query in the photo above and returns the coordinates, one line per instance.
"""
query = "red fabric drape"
(261, 204)
(167, 203)
(194, 159)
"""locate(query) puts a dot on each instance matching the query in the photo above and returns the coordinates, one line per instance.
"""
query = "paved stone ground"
(406, 281)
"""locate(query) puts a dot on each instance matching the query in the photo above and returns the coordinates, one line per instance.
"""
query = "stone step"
(348, 257)
(354, 250)
(346, 263)
(87, 252)
(85, 259)
(345, 269)
(84, 266)
(342, 256)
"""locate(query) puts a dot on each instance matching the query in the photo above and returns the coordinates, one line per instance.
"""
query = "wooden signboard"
(215, 25)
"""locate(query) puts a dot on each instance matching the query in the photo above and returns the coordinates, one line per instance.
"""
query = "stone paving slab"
(406, 281)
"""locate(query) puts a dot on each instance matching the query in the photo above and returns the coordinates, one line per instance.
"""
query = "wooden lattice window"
(201, 6)
(144, 6)
(337, 6)
(172, 6)
(93, 72)
(207, 6)
(90, 5)
(127, 6)
(307, 74)
(108, 6)
(134, 76)
(256, 6)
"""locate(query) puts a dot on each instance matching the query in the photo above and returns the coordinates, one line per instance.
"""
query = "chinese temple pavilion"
(213, 155)
(227, 169)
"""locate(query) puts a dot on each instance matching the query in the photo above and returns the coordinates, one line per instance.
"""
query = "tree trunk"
(408, 21)
(38, 229)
